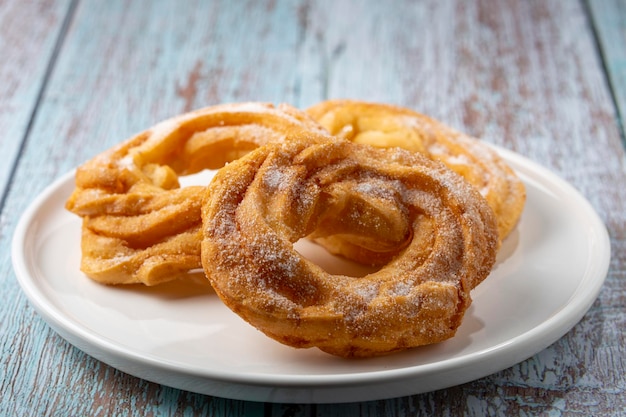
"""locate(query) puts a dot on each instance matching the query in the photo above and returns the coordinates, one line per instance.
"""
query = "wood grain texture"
(29, 31)
(609, 21)
(524, 75)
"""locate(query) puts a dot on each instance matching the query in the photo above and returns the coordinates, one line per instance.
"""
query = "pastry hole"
(202, 178)
(330, 263)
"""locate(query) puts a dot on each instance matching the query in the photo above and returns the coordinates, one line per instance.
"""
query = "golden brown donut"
(256, 207)
(383, 125)
(139, 226)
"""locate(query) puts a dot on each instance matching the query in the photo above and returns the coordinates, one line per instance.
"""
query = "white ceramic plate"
(550, 271)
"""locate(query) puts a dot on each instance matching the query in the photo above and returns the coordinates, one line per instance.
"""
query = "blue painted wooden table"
(544, 79)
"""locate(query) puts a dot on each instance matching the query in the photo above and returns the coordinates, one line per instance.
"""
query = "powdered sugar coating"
(131, 193)
(419, 295)
(386, 126)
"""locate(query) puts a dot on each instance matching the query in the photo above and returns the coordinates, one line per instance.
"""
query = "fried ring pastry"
(383, 125)
(139, 225)
(256, 208)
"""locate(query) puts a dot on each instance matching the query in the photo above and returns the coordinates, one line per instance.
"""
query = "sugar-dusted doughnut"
(139, 225)
(384, 125)
(256, 208)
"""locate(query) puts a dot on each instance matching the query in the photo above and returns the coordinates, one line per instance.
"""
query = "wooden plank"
(26, 51)
(609, 22)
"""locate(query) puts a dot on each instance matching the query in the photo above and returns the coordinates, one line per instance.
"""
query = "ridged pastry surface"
(385, 126)
(139, 225)
(441, 233)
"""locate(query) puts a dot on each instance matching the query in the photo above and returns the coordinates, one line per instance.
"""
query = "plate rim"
(534, 340)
